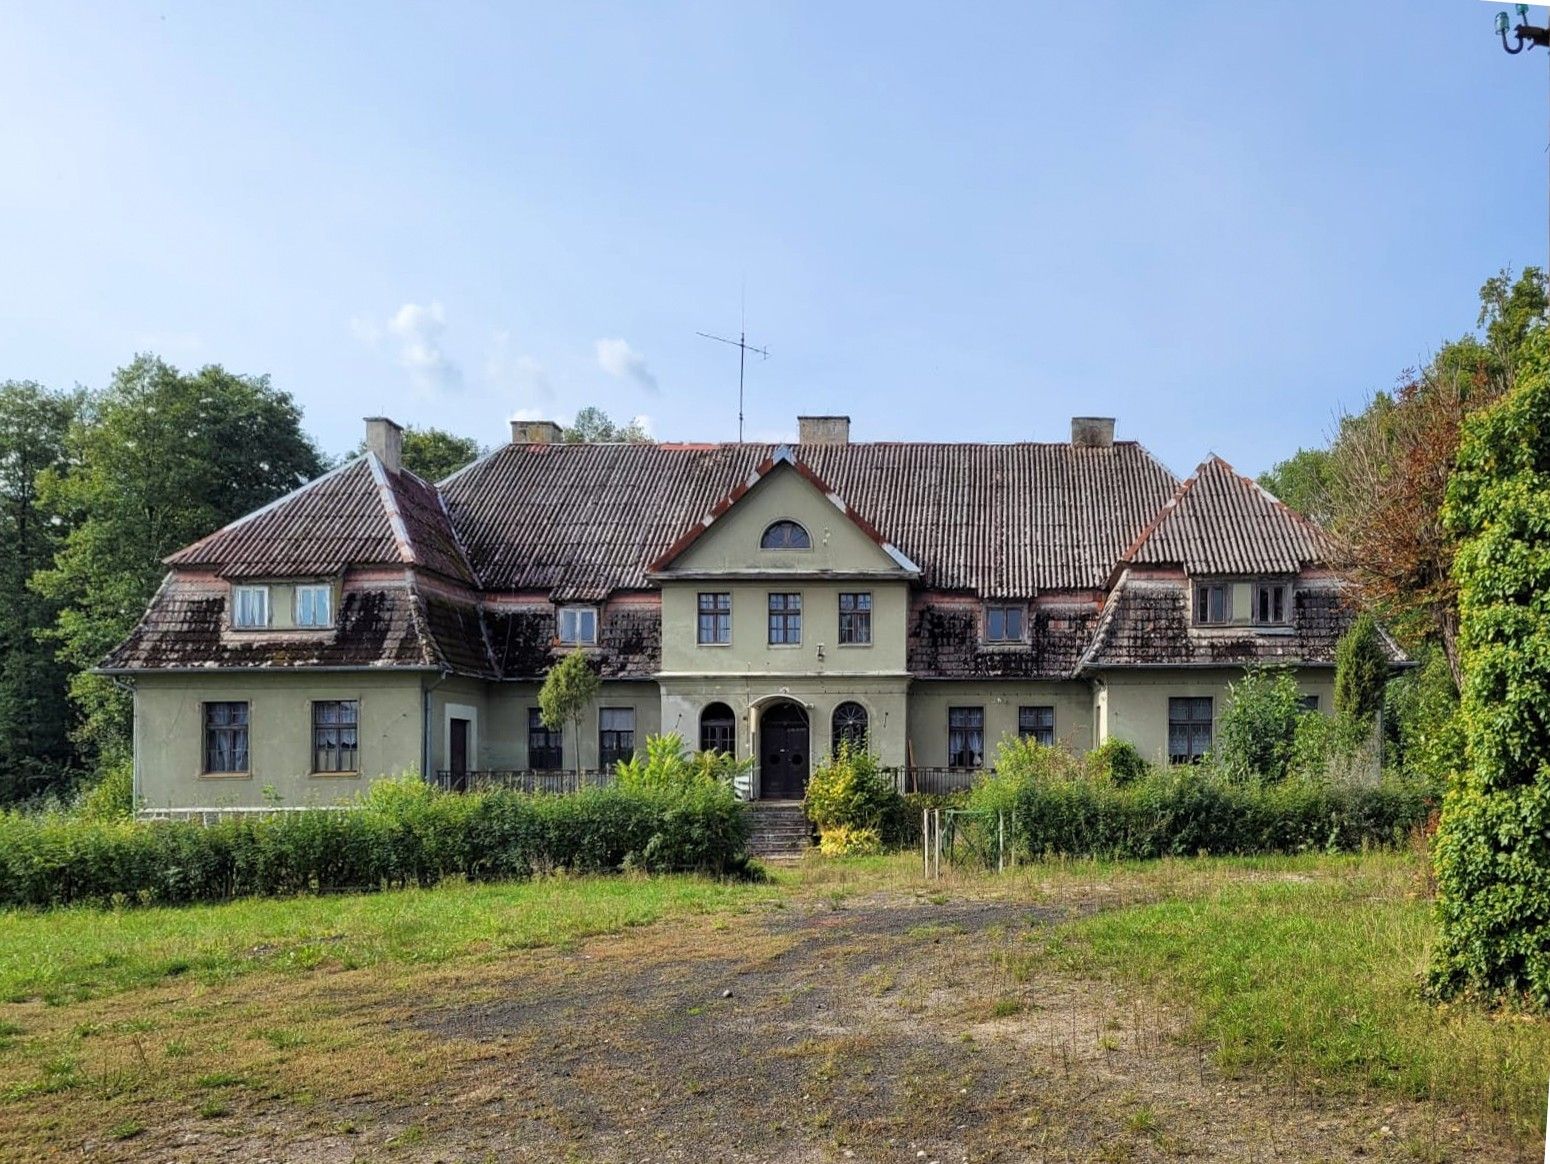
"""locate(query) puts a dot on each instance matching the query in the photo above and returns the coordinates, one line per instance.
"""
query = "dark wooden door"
(457, 760)
(783, 753)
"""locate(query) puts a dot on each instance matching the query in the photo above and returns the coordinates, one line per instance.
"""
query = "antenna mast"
(743, 348)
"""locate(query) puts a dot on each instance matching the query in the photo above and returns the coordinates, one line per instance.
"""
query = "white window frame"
(314, 588)
(577, 614)
(237, 594)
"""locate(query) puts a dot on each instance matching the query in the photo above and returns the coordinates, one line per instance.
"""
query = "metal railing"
(937, 781)
(524, 780)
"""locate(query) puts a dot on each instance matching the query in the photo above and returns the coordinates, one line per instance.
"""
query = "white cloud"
(416, 333)
(618, 359)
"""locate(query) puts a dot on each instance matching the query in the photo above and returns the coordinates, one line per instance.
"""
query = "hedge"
(1189, 813)
(403, 833)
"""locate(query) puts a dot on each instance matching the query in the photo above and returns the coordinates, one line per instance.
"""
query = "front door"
(783, 753)
(457, 761)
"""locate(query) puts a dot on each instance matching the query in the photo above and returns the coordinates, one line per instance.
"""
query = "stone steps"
(780, 830)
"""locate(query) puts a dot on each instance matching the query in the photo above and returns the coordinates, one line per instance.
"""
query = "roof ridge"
(406, 548)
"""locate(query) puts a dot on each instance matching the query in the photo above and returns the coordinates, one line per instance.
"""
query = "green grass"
(1318, 977)
(73, 954)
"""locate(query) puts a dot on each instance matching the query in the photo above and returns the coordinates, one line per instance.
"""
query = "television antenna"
(743, 348)
(1525, 36)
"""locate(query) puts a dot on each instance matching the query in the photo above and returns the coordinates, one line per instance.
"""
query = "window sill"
(334, 775)
(720, 646)
(226, 775)
(784, 646)
(853, 646)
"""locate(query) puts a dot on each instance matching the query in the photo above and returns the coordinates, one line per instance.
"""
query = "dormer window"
(1003, 624)
(1213, 603)
(578, 625)
(1270, 605)
(315, 605)
(250, 607)
(785, 535)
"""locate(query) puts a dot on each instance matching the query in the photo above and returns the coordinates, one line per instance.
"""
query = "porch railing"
(524, 780)
(937, 781)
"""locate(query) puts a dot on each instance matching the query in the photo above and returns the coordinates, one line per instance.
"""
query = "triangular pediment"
(729, 540)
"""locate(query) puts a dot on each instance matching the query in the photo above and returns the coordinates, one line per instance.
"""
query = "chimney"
(1092, 432)
(823, 430)
(386, 439)
(535, 432)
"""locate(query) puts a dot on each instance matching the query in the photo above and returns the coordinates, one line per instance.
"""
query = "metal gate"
(968, 839)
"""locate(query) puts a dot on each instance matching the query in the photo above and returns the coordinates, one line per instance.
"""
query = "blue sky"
(1218, 222)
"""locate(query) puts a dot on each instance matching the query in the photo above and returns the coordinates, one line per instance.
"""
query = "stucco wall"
(930, 699)
(169, 736)
(503, 727)
(1135, 703)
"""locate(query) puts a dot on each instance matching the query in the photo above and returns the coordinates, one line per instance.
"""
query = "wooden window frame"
(1277, 596)
(714, 616)
(231, 731)
(339, 729)
(855, 629)
(1204, 592)
(970, 720)
(577, 612)
(724, 727)
(789, 616)
(786, 524)
(544, 744)
(1000, 611)
(1030, 723)
(837, 735)
(1183, 713)
(611, 745)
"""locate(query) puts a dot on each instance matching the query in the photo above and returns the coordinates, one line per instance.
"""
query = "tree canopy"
(593, 426)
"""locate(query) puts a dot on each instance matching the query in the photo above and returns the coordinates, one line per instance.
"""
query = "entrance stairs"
(781, 830)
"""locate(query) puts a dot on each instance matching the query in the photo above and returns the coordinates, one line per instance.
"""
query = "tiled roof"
(1221, 523)
(1007, 520)
(185, 628)
(1146, 623)
(945, 643)
(361, 514)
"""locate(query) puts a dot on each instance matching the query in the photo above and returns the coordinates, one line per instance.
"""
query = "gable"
(730, 542)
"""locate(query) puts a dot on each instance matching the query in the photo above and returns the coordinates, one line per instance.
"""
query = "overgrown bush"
(1117, 761)
(112, 797)
(402, 833)
(1361, 670)
(1425, 733)
(902, 830)
(852, 791)
(1258, 728)
(1332, 747)
(1185, 811)
(844, 841)
(668, 765)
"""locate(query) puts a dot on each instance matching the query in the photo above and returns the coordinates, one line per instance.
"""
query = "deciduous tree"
(570, 686)
(433, 453)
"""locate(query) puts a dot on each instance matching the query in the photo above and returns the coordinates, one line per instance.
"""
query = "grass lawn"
(74, 954)
(1317, 977)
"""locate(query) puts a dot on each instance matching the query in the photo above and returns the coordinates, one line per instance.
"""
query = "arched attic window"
(785, 535)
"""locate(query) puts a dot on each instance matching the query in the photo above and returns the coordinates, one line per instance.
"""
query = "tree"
(35, 747)
(1259, 726)
(1493, 844)
(1361, 671)
(593, 426)
(568, 688)
(1302, 481)
(433, 453)
(157, 460)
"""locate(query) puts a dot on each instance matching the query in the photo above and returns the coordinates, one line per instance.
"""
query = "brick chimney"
(386, 439)
(1092, 432)
(535, 432)
(823, 430)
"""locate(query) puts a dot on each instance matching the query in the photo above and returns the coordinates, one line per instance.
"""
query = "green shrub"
(1361, 670)
(1258, 730)
(1327, 747)
(1117, 761)
(669, 766)
(112, 796)
(851, 790)
(1421, 718)
(902, 830)
(844, 841)
(1185, 811)
(402, 833)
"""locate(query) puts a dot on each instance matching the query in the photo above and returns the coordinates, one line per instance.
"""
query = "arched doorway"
(718, 729)
(783, 753)
(849, 726)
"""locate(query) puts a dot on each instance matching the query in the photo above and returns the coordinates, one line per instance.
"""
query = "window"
(249, 606)
(315, 605)
(545, 749)
(1309, 703)
(715, 618)
(1036, 723)
(578, 624)
(718, 729)
(1003, 624)
(785, 619)
(855, 619)
(1189, 729)
(226, 737)
(1270, 603)
(336, 735)
(1213, 603)
(965, 737)
(849, 727)
(615, 735)
(785, 535)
